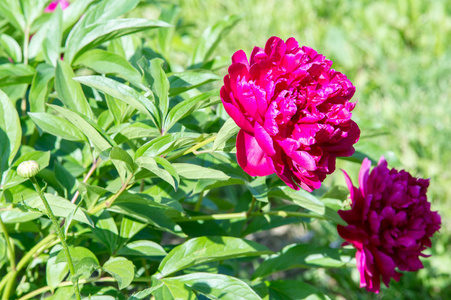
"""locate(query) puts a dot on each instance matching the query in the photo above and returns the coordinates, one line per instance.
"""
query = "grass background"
(397, 55)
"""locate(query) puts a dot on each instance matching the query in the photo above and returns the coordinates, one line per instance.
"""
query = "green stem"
(60, 234)
(25, 45)
(244, 215)
(252, 206)
(199, 201)
(9, 246)
(68, 283)
(35, 251)
(193, 148)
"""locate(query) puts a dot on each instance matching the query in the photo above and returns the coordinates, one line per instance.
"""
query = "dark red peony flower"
(390, 223)
(293, 111)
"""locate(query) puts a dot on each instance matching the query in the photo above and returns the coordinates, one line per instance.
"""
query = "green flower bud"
(28, 169)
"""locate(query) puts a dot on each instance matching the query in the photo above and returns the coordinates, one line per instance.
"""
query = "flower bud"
(28, 169)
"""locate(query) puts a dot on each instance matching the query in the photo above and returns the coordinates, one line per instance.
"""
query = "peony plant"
(129, 171)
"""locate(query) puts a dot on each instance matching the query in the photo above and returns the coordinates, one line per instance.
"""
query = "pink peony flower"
(54, 4)
(293, 111)
(390, 223)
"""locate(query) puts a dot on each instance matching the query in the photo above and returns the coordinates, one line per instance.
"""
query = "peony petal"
(264, 140)
(363, 175)
(240, 57)
(251, 156)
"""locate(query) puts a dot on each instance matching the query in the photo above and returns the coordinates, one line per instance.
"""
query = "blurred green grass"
(397, 55)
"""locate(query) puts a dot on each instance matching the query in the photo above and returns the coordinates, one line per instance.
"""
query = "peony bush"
(128, 172)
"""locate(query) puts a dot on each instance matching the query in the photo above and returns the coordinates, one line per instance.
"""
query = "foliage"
(117, 101)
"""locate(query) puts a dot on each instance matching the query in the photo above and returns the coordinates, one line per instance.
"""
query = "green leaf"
(142, 248)
(74, 11)
(84, 38)
(145, 293)
(11, 179)
(105, 229)
(301, 198)
(207, 249)
(124, 93)
(85, 262)
(211, 38)
(14, 216)
(10, 132)
(107, 9)
(191, 171)
(105, 62)
(57, 126)
(227, 131)
(164, 144)
(52, 42)
(168, 173)
(122, 270)
(293, 289)
(96, 135)
(301, 256)
(55, 272)
(187, 107)
(129, 228)
(40, 87)
(184, 81)
(11, 10)
(213, 286)
(11, 74)
(64, 177)
(70, 91)
(60, 207)
(147, 211)
(165, 35)
(258, 189)
(156, 78)
(11, 47)
(123, 162)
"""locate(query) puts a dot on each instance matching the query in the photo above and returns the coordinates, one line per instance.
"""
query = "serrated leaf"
(105, 62)
(90, 36)
(95, 135)
(142, 248)
(192, 171)
(122, 270)
(187, 107)
(208, 249)
(61, 207)
(301, 256)
(187, 80)
(10, 132)
(69, 91)
(57, 126)
(213, 286)
(40, 87)
(124, 93)
(227, 131)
